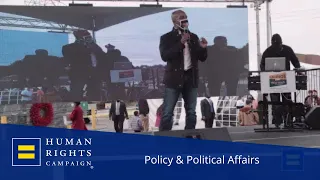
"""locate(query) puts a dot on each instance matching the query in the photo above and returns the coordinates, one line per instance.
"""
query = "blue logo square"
(26, 151)
(292, 160)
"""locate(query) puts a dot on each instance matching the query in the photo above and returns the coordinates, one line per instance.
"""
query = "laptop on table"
(275, 64)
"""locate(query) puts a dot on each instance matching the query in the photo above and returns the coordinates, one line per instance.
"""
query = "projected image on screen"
(104, 53)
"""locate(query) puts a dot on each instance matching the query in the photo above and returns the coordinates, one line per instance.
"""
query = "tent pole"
(268, 23)
(257, 9)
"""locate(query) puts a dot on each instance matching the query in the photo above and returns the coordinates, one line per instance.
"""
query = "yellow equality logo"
(22, 152)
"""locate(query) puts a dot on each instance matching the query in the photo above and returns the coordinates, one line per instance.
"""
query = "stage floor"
(304, 138)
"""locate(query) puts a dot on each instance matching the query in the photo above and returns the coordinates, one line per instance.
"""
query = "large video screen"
(106, 53)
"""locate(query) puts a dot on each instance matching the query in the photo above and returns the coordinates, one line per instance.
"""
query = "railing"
(11, 96)
(313, 83)
(227, 114)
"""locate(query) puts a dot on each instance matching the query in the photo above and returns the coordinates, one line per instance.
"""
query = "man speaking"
(182, 50)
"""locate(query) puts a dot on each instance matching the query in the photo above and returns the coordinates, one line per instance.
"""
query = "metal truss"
(34, 23)
(7, 21)
(43, 3)
(41, 24)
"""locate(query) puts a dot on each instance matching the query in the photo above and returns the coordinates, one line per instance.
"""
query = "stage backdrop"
(124, 61)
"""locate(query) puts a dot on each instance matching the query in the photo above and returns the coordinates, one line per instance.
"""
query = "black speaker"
(312, 118)
(219, 134)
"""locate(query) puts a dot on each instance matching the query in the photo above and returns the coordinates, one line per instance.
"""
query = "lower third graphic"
(26, 151)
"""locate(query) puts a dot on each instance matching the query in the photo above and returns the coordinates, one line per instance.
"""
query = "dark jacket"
(122, 110)
(285, 51)
(78, 57)
(171, 51)
(143, 107)
(206, 109)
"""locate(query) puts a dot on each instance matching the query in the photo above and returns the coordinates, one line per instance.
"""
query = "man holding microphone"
(181, 50)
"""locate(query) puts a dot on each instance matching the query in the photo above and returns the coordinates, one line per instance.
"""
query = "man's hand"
(185, 38)
(203, 118)
(203, 42)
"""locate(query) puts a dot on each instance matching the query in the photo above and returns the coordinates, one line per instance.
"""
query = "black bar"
(80, 5)
(151, 5)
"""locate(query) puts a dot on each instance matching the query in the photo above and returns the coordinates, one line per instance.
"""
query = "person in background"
(118, 112)
(76, 117)
(159, 115)
(144, 113)
(311, 100)
(316, 98)
(39, 95)
(26, 95)
(207, 111)
(83, 63)
(308, 101)
(254, 102)
(26, 98)
(278, 49)
(136, 122)
(240, 103)
(246, 115)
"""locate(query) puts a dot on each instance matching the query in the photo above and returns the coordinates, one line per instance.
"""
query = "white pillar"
(268, 25)
(257, 9)
(268, 22)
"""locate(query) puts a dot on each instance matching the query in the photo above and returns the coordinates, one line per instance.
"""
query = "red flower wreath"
(41, 114)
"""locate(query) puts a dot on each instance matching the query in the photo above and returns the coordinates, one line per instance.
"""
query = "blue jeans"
(171, 97)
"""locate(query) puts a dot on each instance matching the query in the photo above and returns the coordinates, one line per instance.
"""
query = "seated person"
(308, 101)
(254, 102)
(240, 103)
(311, 100)
(136, 123)
(316, 97)
(246, 116)
(159, 115)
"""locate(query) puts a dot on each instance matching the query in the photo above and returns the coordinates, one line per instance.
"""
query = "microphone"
(186, 31)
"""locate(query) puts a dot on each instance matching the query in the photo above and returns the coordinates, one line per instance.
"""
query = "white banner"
(278, 82)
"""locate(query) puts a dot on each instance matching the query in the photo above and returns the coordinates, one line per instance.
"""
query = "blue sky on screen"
(15, 44)
(138, 39)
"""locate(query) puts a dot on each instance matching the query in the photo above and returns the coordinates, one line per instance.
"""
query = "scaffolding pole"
(257, 4)
(268, 22)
